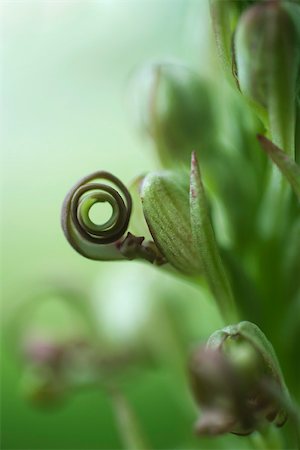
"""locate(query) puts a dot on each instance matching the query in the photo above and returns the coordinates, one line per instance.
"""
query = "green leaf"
(206, 246)
(166, 209)
(286, 165)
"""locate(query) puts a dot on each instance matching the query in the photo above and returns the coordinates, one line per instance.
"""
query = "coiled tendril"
(84, 235)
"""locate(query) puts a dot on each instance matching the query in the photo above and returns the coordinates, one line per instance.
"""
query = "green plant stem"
(267, 439)
(129, 428)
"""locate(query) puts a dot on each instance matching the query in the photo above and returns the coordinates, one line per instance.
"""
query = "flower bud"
(41, 388)
(222, 14)
(175, 108)
(165, 197)
(230, 379)
(41, 351)
(267, 49)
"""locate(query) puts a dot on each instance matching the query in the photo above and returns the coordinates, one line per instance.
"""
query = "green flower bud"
(224, 16)
(178, 217)
(175, 108)
(267, 50)
(234, 378)
(165, 197)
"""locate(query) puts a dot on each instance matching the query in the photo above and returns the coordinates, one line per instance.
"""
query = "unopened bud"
(41, 351)
(175, 108)
(165, 197)
(267, 50)
(229, 378)
(224, 15)
(41, 388)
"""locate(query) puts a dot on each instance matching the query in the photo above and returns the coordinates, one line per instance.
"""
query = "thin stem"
(266, 439)
(129, 428)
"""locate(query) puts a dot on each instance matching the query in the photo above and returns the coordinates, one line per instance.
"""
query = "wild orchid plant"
(237, 379)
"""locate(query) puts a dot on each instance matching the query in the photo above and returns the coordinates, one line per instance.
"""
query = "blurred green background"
(67, 112)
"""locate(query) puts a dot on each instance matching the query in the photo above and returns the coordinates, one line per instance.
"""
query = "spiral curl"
(78, 228)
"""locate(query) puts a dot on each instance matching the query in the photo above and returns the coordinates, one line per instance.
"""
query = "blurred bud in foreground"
(267, 50)
(174, 107)
(42, 351)
(43, 383)
(233, 378)
(54, 369)
(41, 388)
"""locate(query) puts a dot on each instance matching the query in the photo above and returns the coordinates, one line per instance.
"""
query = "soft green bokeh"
(66, 112)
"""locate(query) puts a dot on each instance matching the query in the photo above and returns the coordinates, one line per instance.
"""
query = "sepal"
(287, 166)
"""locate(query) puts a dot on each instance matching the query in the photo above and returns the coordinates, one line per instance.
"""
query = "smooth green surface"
(67, 112)
(68, 77)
